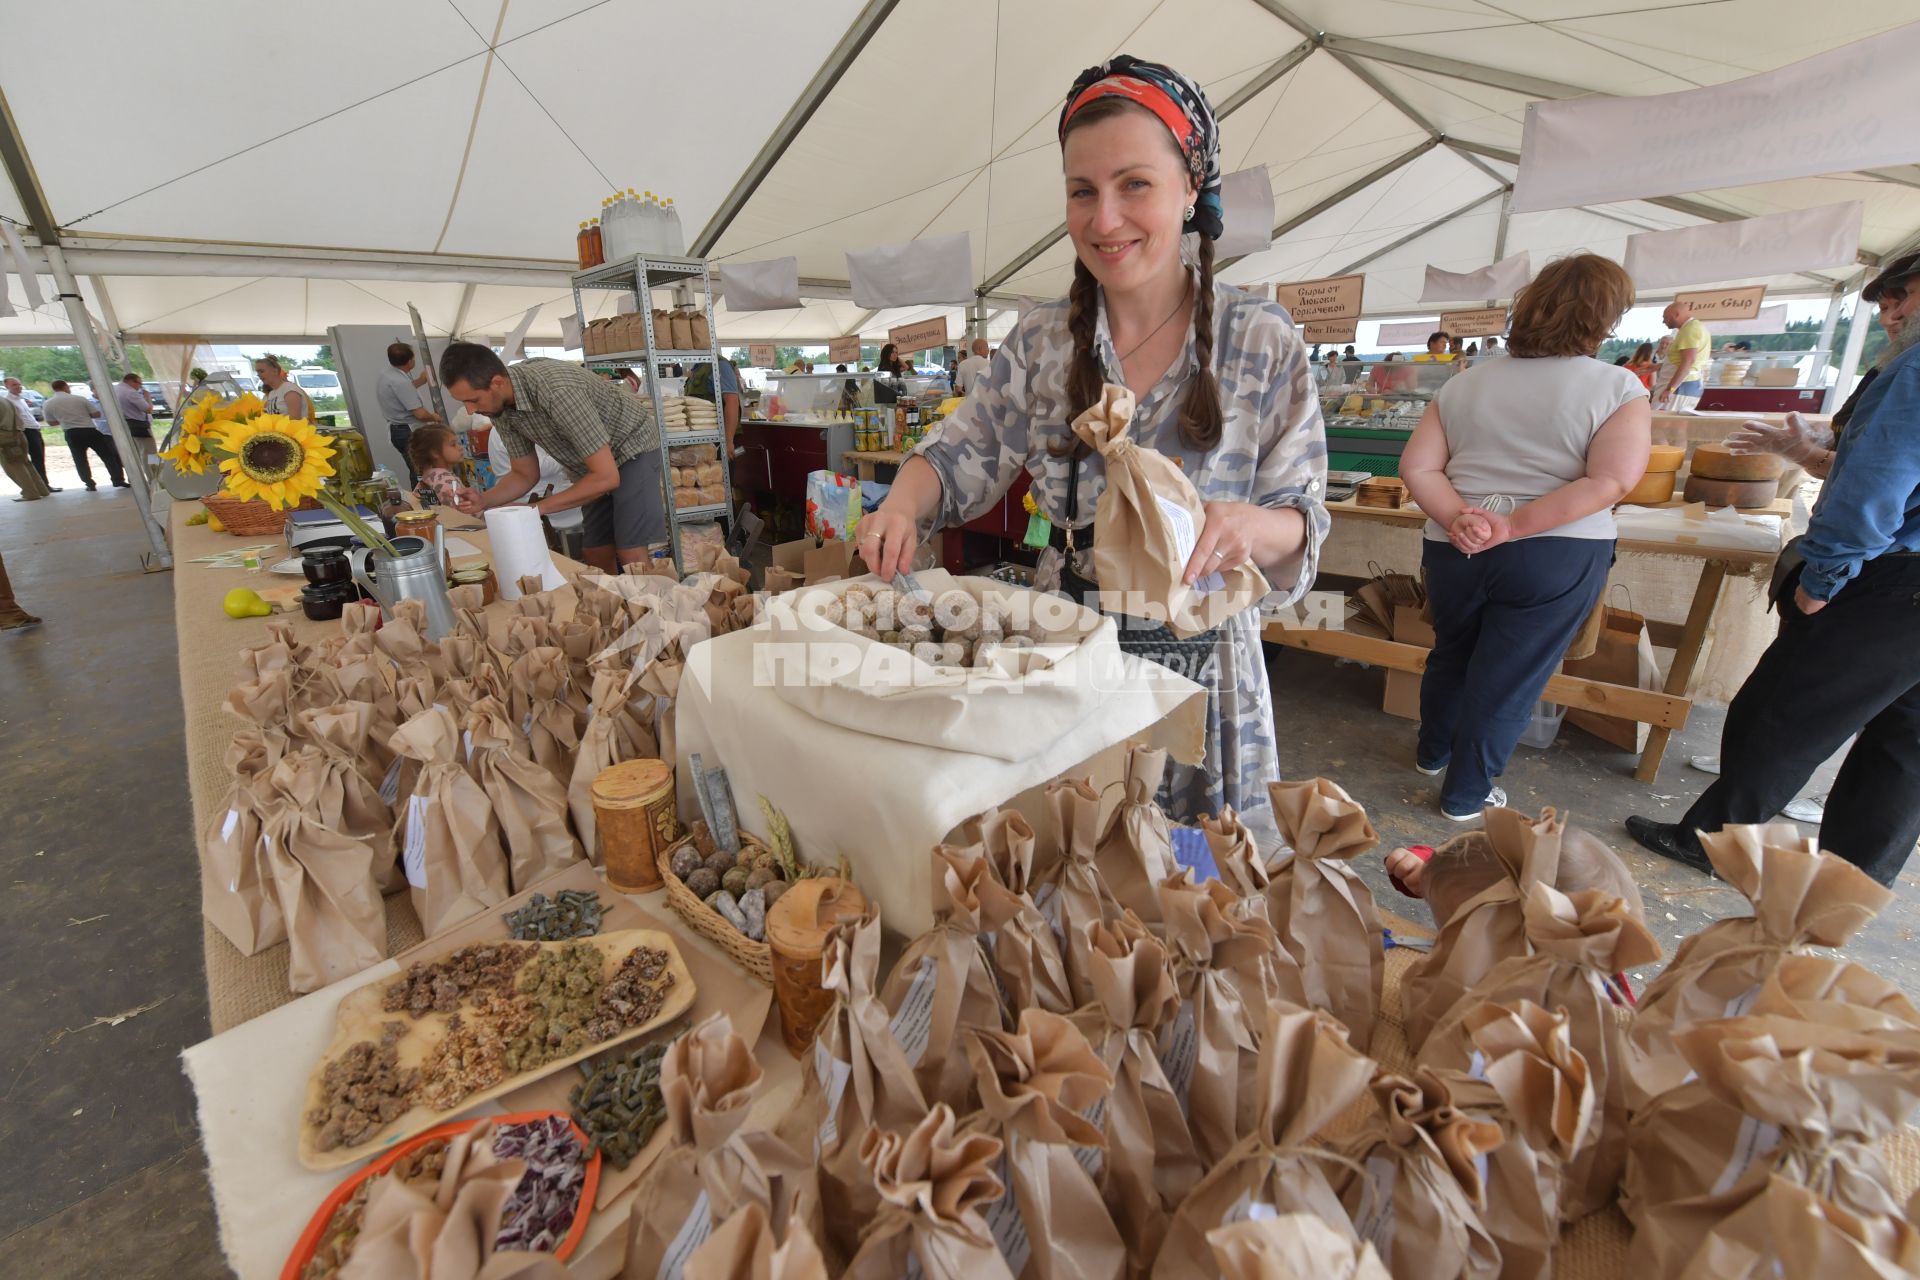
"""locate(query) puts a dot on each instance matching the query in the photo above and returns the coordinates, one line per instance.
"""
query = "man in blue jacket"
(1847, 660)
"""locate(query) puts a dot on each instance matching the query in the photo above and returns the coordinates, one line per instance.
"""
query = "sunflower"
(199, 414)
(190, 455)
(239, 409)
(274, 458)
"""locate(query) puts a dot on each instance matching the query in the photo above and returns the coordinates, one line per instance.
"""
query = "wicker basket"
(755, 957)
(250, 517)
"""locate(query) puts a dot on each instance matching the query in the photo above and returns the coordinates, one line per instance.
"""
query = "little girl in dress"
(436, 455)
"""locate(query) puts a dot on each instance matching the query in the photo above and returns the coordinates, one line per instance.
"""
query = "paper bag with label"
(1135, 852)
(1044, 1087)
(537, 700)
(1309, 1075)
(266, 700)
(236, 873)
(1802, 898)
(936, 1183)
(449, 836)
(1579, 942)
(1236, 855)
(368, 678)
(325, 884)
(944, 980)
(1530, 1082)
(1323, 912)
(745, 1248)
(349, 799)
(1415, 1186)
(619, 730)
(1072, 893)
(403, 638)
(1150, 1164)
(1291, 1246)
(1146, 526)
(530, 806)
(1487, 928)
(1224, 967)
(1026, 955)
(1805, 1097)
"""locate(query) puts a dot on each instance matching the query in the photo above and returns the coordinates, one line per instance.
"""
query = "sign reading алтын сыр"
(1318, 301)
(1724, 304)
(1481, 322)
(844, 350)
(924, 335)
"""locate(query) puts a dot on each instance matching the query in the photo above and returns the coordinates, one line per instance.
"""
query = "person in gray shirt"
(75, 417)
(400, 402)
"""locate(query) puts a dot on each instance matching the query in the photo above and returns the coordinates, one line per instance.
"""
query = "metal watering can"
(419, 572)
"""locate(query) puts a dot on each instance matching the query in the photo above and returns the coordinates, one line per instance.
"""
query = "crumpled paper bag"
(1323, 911)
(449, 836)
(1025, 953)
(744, 1248)
(1135, 852)
(936, 1183)
(1072, 892)
(325, 883)
(529, 805)
(1291, 1246)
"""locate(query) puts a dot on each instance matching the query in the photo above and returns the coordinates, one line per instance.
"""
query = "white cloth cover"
(935, 270)
(1774, 244)
(1246, 208)
(761, 286)
(1771, 319)
(1501, 280)
(1824, 114)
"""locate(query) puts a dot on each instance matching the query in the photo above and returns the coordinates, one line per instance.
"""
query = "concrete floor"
(102, 984)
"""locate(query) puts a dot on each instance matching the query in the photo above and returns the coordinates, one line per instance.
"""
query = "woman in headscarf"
(1222, 383)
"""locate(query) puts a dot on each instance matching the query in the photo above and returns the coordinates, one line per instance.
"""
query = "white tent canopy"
(284, 175)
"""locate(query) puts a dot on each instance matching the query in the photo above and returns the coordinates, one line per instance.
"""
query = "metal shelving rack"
(640, 276)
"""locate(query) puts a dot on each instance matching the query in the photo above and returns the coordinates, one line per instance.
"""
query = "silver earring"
(1189, 213)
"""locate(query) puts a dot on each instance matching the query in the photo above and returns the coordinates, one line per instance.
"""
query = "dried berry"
(735, 881)
(686, 861)
(703, 883)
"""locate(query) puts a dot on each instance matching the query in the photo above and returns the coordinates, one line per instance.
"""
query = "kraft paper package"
(266, 701)
(350, 800)
(325, 884)
(1135, 852)
(1043, 1088)
(1792, 1231)
(403, 638)
(936, 1181)
(529, 805)
(944, 980)
(1801, 899)
(1236, 855)
(236, 874)
(1579, 941)
(469, 610)
(1072, 894)
(1223, 965)
(412, 695)
(1530, 1081)
(537, 700)
(1026, 954)
(1146, 525)
(744, 1248)
(716, 1162)
(368, 677)
(1792, 1098)
(1150, 1163)
(1309, 1075)
(1415, 1187)
(1292, 1246)
(449, 836)
(1490, 926)
(1323, 912)
(616, 732)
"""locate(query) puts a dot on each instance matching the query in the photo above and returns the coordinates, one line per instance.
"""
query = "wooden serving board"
(360, 1017)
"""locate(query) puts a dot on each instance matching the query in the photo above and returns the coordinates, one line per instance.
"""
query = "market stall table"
(864, 461)
(1665, 709)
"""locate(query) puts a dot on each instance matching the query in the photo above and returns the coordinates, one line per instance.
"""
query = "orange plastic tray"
(309, 1240)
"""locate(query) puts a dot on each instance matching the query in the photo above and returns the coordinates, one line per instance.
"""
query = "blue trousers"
(1502, 621)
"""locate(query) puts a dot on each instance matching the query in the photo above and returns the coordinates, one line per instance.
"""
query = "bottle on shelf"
(623, 229)
(650, 209)
(674, 238)
(596, 249)
(581, 244)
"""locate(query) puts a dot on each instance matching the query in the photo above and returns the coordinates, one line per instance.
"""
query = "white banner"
(1501, 280)
(1824, 114)
(918, 273)
(1246, 206)
(1407, 333)
(1771, 319)
(570, 332)
(517, 340)
(761, 286)
(1774, 244)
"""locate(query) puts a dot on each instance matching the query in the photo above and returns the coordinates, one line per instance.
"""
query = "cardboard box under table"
(884, 799)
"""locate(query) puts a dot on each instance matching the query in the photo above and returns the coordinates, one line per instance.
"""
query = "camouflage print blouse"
(1272, 452)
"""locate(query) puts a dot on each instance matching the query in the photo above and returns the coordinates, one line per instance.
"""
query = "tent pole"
(1828, 325)
(1849, 359)
(133, 460)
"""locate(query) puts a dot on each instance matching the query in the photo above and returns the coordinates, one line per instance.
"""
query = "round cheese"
(1654, 487)
(1714, 462)
(1730, 493)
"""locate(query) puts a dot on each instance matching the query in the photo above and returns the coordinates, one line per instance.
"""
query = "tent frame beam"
(1416, 233)
(1347, 192)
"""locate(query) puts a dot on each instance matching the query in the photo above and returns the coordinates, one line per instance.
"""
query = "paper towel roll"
(520, 548)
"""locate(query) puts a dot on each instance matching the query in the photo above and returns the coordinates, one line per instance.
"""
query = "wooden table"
(1665, 709)
(865, 460)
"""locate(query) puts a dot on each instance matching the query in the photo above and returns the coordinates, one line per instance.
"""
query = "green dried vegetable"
(571, 913)
(562, 987)
(619, 1105)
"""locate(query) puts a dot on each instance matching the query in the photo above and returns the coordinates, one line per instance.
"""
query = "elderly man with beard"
(1847, 659)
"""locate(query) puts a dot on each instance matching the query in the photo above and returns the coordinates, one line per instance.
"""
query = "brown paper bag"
(744, 1248)
(350, 801)
(1620, 653)
(1150, 1163)
(1789, 1230)
(1579, 941)
(1416, 1192)
(537, 700)
(944, 980)
(1135, 852)
(1533, 1084)
(403, 638)
(936, 1182)
(236, 874)
(325, 883)
(530, 805)
(1237, 856)
(1309, 1075)
(265, 701)
(1489, 927)
(615, 733)
(1072, 893)
(661, 679)
(449, 836)
(1801, 898)
(1146, 526)
(1323, 912)
(1292, 1246)
(1045, 1088)
(1026, 955)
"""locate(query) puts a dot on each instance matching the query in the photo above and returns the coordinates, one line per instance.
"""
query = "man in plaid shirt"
(600, 433)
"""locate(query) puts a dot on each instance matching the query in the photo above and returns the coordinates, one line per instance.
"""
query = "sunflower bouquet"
(279, 460)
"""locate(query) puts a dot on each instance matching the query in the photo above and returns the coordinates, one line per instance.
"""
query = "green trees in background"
(39, 366)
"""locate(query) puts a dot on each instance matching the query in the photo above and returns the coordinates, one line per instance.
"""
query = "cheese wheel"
(1666, 457)
(1714, 462)
(1654, 487)
(1731, 493)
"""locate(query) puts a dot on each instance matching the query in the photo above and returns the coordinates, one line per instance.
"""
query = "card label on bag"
(413, 852)
(912, 1026)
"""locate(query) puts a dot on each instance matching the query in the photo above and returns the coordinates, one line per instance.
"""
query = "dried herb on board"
(363, 1089)
(633, 995)
(570, 913)
(562, 987)
(441, 986)
(473, 1054)
(619, 1103)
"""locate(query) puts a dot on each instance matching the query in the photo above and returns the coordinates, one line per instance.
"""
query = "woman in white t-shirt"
(1518, 464)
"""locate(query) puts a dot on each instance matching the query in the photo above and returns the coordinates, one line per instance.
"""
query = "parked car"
(34, 401)
(318, 383)
(161, 409)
